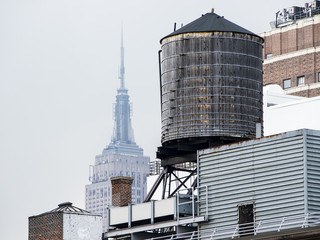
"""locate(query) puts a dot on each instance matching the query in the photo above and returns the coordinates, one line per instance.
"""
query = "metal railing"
(285, 17)
(247, 229)
(192, 202)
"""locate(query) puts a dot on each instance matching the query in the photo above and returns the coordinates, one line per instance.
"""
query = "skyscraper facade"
(122, 157)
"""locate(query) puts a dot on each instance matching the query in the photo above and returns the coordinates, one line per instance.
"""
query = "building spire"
(122, 70)
(122, 131)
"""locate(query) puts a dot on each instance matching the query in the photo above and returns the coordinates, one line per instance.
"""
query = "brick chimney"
(121, 191)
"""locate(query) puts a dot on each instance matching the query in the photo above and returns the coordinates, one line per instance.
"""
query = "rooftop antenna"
(122, 70)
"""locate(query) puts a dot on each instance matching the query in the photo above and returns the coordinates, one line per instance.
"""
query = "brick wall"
(294, 52)
(307, 65)
(121, 191)
(46, 226)
(313, 92)
(287, 41)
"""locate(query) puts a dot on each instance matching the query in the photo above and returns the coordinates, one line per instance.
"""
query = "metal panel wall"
(268, 172)
(313, 170)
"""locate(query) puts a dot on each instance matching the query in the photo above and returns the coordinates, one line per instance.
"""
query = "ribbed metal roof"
(67, 207)
(210, 22)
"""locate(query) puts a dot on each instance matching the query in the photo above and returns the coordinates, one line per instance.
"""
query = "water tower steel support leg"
(164, 185)
(169, 184)
(155, 185)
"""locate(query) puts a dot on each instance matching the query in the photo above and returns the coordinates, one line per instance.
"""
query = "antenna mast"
(122, 71)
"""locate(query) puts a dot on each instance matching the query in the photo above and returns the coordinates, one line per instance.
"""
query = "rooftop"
(67, 207)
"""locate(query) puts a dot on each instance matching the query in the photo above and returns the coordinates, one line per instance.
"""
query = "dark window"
(300, 81)
(138, 179)
(144, 179)
(318, 76)
(246, 219)
(287, 83)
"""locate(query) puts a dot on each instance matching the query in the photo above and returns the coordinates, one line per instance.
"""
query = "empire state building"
(122, 157)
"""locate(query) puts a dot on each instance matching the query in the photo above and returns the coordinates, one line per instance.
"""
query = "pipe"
(160, 78)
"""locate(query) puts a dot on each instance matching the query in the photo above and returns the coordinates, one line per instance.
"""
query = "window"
(318, 76)
(287, 83)
(300, 81)
(268, 55)
(246, 219)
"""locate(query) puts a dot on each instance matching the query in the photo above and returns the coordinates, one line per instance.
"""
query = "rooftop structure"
(211, 93)
(210, 22)
(268, 185)
(66, 222)
(68, 207)
(290, 15)
(283, 112)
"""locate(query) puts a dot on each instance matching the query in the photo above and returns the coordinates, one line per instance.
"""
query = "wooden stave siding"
(211, 85)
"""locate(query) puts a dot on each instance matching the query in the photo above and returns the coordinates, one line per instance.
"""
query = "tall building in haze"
(122, 157)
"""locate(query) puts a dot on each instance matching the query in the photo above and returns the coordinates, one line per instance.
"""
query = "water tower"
(211, 91)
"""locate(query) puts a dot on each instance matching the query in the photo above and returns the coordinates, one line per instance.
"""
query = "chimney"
(121, 191)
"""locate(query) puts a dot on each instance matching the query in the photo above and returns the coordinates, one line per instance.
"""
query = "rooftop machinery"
(290, 15)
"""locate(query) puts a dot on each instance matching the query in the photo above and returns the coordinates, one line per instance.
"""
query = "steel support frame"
(166, 177)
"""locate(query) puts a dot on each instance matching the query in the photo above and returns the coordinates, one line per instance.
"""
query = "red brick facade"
(294, 51)
(292, 38)
(46, 226)
(121, 191)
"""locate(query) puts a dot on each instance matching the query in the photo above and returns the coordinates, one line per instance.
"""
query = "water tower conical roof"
(210, 22)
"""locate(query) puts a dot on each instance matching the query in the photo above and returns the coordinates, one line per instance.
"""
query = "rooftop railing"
(284, 17)
(249, 229)
(190, 204)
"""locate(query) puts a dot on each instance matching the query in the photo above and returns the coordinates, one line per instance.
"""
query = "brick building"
(66, 222)
(292, 51)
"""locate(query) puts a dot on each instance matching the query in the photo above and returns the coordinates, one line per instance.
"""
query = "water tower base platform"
(185, 150)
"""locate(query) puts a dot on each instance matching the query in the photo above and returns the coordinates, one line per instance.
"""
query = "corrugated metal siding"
(313, 170)
(267, 171)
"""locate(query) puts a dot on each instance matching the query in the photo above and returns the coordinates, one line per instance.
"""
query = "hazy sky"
(59, 62)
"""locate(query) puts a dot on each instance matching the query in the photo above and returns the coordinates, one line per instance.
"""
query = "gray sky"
(59, 62)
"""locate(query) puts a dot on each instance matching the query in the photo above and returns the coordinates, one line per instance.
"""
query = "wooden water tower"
(211, 90)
